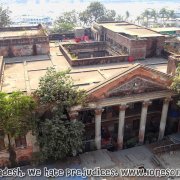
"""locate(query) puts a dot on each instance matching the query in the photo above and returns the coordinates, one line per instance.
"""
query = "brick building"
(23, 41)
(139, 42)
(127, 102)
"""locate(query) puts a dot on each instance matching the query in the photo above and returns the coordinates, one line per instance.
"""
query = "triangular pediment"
(136, 85)
(136, 80)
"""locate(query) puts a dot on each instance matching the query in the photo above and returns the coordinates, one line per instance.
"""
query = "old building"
(139, 42)
(128, 103)
(23, 41)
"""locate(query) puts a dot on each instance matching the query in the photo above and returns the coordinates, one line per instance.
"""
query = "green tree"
(66, 22)
(138, 19)
(4, 17)
(58, 137)
(163, 13)
(109, 15)
(96, 11)
(119, 18)
(15, 117)
(127, 15)
(146, 16)
(176, 81)
(154, 15)
(171, 14)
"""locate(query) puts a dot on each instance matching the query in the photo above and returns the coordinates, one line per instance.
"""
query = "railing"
(166, 148)
(126, 117)
(132, 116)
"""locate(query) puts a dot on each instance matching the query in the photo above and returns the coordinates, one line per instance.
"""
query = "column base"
(141, 138)
(98, 143)
(120, 144)
(161, 136)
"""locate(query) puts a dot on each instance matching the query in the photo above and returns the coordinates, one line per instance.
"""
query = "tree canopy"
(96, 11)
(66, 22)
(15, 113)
(176, 81)
(15, 117)
(4, 17)
(154, 15)
(57, 135)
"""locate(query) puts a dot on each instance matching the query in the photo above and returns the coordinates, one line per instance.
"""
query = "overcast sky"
(55, 7)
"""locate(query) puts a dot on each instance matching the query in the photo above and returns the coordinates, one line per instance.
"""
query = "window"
(2, 145)
(21, 141)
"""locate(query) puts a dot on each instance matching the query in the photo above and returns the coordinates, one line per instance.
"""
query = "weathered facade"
(137, 41)
(24, 147)
(23, 41)
(173, 62)
(131, 105)
(127, 104)
(92, 53)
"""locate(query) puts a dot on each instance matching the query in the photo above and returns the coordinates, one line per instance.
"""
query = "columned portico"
(163, 118)
(98, 113)
(144, 110)
(73, 116)
(122, 109)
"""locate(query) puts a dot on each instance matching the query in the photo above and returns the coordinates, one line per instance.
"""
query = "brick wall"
(154, 46)
(23, 154)
(173, 62)
(24, 50)
(136, 47)
(93, 60)
(24, 46)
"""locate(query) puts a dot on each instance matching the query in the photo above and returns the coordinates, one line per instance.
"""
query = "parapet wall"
(1, 69)
(92, 60)
(173, 62)
(34, 41)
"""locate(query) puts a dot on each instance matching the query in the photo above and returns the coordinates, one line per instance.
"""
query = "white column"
(142, 128)
(122, 109)
(163, 118)
(73, 118)
(6, 141)
(98, 113)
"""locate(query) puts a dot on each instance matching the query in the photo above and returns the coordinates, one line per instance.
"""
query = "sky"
(53, 8)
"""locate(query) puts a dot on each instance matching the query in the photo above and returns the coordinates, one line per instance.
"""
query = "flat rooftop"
(166, 29)
(20, 32)
(131, 29)
(23, 73)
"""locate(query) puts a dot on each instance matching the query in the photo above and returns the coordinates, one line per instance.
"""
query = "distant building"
(168, 30)
(32, 20)
(23, 41)
(139, 42)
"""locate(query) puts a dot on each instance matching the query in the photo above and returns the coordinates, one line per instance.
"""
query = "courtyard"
(137, 157)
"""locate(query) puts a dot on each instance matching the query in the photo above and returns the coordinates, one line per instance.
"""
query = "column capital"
(167, 100)
(99, 111)
(73, 115)
(122, 107)
(146, 103)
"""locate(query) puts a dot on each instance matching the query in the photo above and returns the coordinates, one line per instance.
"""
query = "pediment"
(135, 80)
(136, 85)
